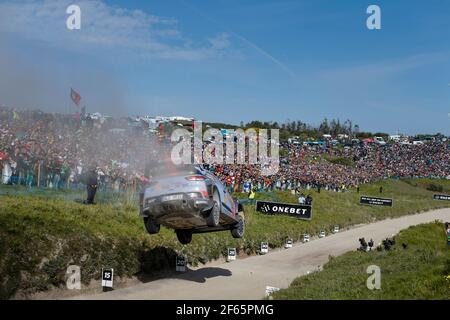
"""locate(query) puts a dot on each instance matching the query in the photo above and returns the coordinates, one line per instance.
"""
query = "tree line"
(303, 130)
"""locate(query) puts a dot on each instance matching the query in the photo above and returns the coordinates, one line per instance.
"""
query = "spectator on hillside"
(301, 199)
(251, 196)
(370, 243)
(363, 244)
(91, 184)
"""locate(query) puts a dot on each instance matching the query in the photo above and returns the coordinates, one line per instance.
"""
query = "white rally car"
(189, 200)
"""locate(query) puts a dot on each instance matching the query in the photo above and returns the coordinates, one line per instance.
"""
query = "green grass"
(437, 186)
(42, 232)
(417, 272)
(330, 208)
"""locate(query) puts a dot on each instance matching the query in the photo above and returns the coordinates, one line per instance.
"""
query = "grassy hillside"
(417, 272)
(437, 186)
(43, 232)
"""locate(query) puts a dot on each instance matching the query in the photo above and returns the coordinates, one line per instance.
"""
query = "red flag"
(75, 97)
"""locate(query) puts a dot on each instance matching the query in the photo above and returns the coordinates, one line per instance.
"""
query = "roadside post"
(231, 254)
(107, 278)
(288, 243)
(305, 238)
(336, 229)
(264, 247)
(270, 290)
(180, 264)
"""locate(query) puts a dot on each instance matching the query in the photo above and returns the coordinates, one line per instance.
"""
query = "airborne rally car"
(189, 200)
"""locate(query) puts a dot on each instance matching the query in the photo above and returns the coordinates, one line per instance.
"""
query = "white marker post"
(305, 238)
(264, 247)
(180, 264)
(270, 290)
(288, 244)
(107, 278)
(231, 254)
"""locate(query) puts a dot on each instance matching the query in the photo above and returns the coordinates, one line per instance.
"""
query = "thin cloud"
(386, 68)
(105, 27)
(245, 40)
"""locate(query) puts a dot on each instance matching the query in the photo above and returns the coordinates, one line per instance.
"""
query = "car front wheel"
(151, 226)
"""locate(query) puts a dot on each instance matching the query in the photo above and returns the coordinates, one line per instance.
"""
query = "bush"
(435, 188)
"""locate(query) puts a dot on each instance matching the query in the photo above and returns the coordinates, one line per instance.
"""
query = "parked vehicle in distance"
(322, 233)
(189, 200)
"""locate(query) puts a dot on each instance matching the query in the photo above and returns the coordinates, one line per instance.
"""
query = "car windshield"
(168, 168)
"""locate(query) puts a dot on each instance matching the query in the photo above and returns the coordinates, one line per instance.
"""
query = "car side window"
(210, 176)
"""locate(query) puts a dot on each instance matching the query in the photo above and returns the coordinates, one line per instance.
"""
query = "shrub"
(435, 188)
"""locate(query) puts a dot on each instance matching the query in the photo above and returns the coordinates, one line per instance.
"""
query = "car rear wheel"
(151, 226)
(213, 218)
(239, 228)
(184, 236)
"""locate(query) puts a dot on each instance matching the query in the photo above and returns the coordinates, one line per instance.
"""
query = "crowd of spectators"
(54, 150)
(314, 166)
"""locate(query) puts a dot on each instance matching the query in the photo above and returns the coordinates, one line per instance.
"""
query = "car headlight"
(194, 195)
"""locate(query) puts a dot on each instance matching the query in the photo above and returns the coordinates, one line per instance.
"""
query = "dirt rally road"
(247, 278)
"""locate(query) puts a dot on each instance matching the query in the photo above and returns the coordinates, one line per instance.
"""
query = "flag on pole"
(75, 96)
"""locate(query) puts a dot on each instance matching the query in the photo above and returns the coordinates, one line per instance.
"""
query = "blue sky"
(231, 61)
